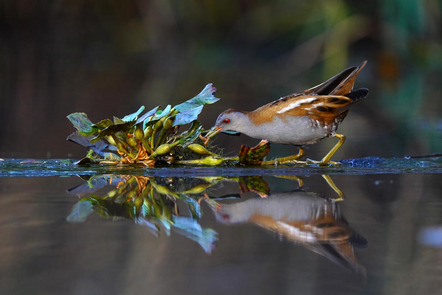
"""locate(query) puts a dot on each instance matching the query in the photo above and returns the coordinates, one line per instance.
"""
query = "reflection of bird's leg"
(289, 159)
(204, 197)
(175, 207)
(326, 159)
(334, 187)
(293, 177)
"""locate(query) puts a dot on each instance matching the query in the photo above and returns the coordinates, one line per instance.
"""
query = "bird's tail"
(340, 84)
(357, 95)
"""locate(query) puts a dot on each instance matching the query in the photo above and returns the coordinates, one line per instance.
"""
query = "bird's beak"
(212, 132)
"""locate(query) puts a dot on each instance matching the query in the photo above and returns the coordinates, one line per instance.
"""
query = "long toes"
(322, 163)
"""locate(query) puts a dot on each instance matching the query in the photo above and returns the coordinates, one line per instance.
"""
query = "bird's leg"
(293, 158)
(289, 159)
(330, 154)
(334, 187)
(326, 159)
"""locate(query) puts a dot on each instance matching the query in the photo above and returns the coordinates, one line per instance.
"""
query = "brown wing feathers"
(325, 103)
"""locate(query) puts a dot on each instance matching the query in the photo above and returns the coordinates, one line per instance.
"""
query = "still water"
(314, 234)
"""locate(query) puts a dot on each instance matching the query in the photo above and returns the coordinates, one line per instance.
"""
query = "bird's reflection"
(167, 203)
(305, 218)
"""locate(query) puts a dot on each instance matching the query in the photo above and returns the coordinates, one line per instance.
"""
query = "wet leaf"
(147, 115)
(118, 121)
(195, 129)
(204, 97)
(187, 116)
(254, 155)
(82, 123)
(162, 113)
(103, 124)
(112, 129)
(101, 147)
(133, 116)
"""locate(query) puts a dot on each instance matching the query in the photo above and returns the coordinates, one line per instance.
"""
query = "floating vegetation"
(154, 137)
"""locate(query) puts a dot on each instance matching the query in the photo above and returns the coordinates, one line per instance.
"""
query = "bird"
(300, 118)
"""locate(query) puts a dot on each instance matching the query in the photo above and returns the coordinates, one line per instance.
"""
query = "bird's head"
(230, 121)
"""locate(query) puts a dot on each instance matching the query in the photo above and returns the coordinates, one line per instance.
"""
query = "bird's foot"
(277, 162)
(288, 160)
(323, 163)
(295, 162)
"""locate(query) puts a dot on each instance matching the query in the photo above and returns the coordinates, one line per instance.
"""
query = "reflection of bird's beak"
(212, 132)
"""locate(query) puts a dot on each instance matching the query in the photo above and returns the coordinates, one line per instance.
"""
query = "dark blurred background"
(109, 57)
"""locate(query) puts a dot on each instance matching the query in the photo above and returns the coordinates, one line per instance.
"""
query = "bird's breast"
(296, 130)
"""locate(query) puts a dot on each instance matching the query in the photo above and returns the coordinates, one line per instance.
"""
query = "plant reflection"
(306, 218)
(151, 202)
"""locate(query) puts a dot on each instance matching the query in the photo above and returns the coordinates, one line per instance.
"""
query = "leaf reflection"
(151, 202)
(305, 218)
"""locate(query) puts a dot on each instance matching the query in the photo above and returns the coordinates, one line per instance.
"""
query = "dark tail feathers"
(357, 94)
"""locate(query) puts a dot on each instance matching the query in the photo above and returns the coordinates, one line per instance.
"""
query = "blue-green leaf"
(187, 116)
(134, 116)
(82, 123)
(204, 97)
(146, 117)
(112, 129)
(161, 113)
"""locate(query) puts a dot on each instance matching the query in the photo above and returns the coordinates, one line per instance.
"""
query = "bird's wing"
(323, 108)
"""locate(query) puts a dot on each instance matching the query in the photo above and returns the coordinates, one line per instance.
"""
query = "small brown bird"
(300, 118)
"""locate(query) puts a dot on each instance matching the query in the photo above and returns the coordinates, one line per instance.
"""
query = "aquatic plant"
(153, 137)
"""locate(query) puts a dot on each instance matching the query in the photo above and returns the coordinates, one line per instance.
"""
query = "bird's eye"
(226, 121)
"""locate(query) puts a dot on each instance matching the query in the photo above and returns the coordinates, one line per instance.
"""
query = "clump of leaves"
(146, 138)
(153, 137)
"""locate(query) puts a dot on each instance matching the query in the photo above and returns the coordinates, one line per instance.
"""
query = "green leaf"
(82, 123)
(103, 124)
(162, 113)
(191, 134)
(204, 97)
(147, 115)
(112, 129)
(134, 116)
(118, 121)
(100, 147)
(187, 116)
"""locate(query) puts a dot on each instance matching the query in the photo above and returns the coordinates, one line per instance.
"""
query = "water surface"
(52, 245)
